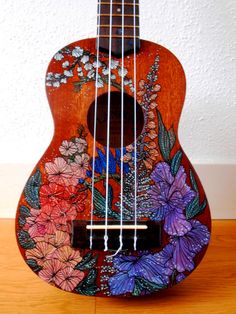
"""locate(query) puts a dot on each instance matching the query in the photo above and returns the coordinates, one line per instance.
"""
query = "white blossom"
(91, 74)
(97, 64)
(88, 66)
(114, 64)
(56, 84)
(65, 64)
(77, 52)
(58, 56)
(84, 59)
(122, 73)
(63, 80)
(68, 73)
(113, 77)
(105, 71)
(99, 83)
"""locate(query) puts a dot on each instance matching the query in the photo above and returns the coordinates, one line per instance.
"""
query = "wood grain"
(210, 289)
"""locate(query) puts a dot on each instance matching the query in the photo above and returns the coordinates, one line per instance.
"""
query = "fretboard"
(130, 28)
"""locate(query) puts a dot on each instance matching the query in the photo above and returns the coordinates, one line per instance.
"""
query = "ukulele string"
(122, 137)
(135, 133)
(95, 127)
(108, 131)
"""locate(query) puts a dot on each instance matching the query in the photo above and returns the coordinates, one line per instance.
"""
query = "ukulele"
(114, 207)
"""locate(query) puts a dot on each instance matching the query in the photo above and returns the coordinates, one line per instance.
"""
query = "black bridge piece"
(148, 238)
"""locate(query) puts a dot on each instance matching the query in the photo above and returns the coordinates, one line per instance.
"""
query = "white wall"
(200, 33)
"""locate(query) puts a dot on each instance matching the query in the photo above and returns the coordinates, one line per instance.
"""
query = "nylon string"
(135, 134)
(95, 126)
(122, 136)
(108, 132)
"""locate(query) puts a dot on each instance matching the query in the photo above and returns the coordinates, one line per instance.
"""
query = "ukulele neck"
(118, 26)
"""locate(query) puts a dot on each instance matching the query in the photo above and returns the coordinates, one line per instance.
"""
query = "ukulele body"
(57, 196)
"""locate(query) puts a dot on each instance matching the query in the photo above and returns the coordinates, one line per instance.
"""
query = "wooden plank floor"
(210, 289)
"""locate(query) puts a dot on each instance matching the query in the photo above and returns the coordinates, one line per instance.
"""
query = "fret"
(120, 3)
(118, 36)
(118, 26)
(120, 15)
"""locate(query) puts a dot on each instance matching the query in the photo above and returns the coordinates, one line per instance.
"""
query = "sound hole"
(115, 119)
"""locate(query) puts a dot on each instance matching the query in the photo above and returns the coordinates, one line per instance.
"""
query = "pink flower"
(80, 165)
(43, 251)
(62, 214)
(60, 172)
(34, 229)
(68, 256)
(81, 145)
(68, 148)
(58, 239)
(75, 197)
(45, 220)
(49, 194)
(68, 278)
(50, 270)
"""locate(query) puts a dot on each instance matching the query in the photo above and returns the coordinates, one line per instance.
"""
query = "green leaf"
(193, 181)
(88, 285)
(33, 265)
(31, 189)
(192, 208)
(166, 139)
(24, 213)
(203, 205)
(100, 206)
(87, 262)
(25, 240)
(176, 162)
(143, 284)
(110, 195)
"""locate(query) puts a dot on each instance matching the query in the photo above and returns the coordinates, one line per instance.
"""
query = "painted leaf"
(142, 284)
(25, 240)
(87, 262)
(88, 285)
(31, 189)
(166, 139)
(193, 181)
(192, 208)
(33, 265)
(175, 163)
(24, 213)
(100, 206)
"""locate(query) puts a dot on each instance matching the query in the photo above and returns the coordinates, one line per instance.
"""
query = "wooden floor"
(210, 289)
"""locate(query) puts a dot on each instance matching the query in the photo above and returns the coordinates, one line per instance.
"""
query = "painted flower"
(131, 268)
(58, 239)
(169, 196)
(80, 166)
(76, 196)
(59, 172)
(68, 278)
(77, 52)
(84, 59)
(67, 256)
(50, 194)
(81, 145)
(58, 56)
(187, 246)
(50, 270)
(62, 214)
(44, 221)
(67, 148)
(43, 251)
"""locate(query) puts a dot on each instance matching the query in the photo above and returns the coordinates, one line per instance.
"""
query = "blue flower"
(114, 161)
(186, 247)
(169, 197)
(154, 268)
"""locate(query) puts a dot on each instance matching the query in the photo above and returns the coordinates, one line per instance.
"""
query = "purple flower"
(169, 196)
(186, 247)
(155, 269)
